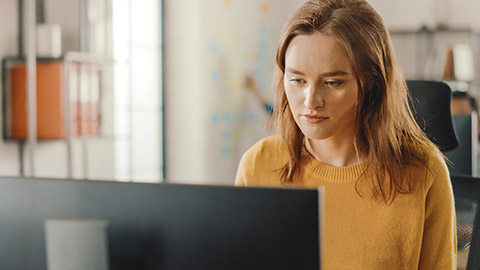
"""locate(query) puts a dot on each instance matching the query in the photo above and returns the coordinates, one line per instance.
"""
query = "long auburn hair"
(386, 133)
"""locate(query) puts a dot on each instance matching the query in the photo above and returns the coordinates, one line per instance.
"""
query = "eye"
(333, 84)
(296, 81)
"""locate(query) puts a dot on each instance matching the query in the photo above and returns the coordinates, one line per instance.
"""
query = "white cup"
(76, 244)
(49, 40)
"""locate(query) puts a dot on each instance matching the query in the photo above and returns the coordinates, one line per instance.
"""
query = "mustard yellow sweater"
(416, 231)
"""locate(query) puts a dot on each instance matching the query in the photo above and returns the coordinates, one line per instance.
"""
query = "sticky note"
(226, 134)
(265, 8)
(214, 76)
(213, 47)
(225, 150)
(214, 118)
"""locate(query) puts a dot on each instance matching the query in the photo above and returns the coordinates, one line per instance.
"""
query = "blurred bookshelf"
(69, 93)
(447, 53)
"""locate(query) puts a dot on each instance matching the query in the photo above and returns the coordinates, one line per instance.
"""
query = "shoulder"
(270, 146)
(437, 169)
(268, 153)
(427, 163)
(426, 169)
(263, 158)
(437, 187)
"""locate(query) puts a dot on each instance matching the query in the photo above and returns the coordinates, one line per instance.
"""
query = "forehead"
(316, 53)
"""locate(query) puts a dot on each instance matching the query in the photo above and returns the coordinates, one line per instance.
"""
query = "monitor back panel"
(463, 159)
(160, 226)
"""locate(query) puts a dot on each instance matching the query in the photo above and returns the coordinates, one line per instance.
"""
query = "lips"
(313, 118)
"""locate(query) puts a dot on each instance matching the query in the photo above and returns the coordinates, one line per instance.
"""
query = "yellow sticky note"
(238, 85)
(237, 39)
(265, 8)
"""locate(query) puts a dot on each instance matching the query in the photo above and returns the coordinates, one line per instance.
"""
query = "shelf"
(86, 58)
(440, 30)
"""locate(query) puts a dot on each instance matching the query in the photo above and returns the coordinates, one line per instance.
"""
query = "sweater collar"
(331, 173)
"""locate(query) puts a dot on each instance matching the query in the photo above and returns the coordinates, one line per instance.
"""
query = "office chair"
(430, 101)
(467, 187)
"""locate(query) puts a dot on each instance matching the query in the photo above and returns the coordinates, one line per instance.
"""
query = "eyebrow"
(326, 74)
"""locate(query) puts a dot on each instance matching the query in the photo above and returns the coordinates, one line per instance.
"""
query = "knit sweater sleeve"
(439, 234)
(246, 167)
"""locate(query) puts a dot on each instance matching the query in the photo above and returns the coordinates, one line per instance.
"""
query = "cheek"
(292, 105)
(352, 106)
(352, 97)
(344, 106)
(294, 95)
(288, 93)
(290, 102)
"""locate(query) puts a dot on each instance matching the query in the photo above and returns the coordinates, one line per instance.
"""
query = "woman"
(341, 107)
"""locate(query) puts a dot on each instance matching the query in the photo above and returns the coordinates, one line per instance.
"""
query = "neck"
(334, 153)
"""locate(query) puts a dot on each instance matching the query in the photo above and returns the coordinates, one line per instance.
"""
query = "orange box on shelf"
(84, 92)
(50, 100)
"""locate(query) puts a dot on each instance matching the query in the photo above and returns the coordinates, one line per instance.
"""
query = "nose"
(313, 97)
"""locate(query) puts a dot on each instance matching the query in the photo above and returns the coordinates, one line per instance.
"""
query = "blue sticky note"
(253, 116)
(263, 85)
(213, 47)
(215, 118)
(214, 76)
(227, 117)
(263, 28)
(262, 44)
(261, 57)
(259, 71)
(226, 134)
(225, 150)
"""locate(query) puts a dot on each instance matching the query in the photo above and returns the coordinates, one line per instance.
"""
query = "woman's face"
(320, 87)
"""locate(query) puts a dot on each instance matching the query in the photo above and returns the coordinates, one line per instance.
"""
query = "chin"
(315, 135)
(317, 138)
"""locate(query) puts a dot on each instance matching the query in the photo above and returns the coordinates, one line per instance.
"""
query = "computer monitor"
(165, 226)
(463, 159)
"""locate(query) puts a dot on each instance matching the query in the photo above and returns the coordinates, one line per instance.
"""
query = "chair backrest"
(430, 101)
(467, 189)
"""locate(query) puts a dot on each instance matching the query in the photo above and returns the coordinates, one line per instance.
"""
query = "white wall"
(413, 13)
(184, 99)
